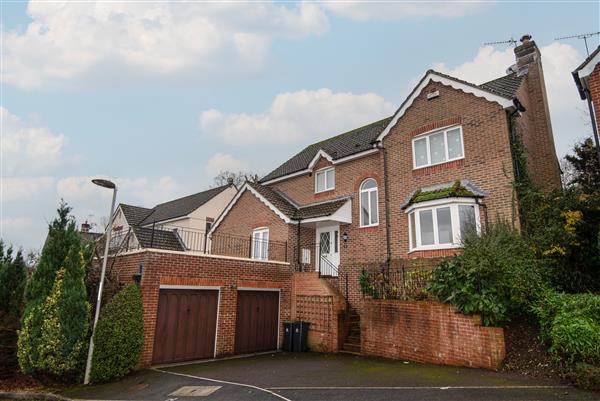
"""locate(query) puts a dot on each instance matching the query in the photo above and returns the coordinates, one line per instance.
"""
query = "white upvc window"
(260, 243)
(369, 203)
(438, 147)
(442, 224)
(325, 180)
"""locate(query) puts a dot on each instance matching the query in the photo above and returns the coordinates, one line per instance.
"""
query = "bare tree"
(225, 177)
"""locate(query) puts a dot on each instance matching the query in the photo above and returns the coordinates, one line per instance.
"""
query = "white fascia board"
(313, 162)
(589, 67)
(228, 208)
(234, 201)
(321, 153)
(433, 77)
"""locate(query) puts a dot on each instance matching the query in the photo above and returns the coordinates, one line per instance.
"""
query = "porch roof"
(291, 209)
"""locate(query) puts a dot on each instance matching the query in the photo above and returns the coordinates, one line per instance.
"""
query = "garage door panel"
(257, 321)
(185, 325)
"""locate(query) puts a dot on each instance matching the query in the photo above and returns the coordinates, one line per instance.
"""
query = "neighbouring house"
(587, 79)
(177, 225)
(395, 194)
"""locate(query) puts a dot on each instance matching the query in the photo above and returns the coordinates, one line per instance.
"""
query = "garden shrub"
(119, 336)
(571, 324)
(62, 240)
(62, 324)
(496, 276)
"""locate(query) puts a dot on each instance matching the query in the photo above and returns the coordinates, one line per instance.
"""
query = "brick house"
(587, 79)
(396, 193)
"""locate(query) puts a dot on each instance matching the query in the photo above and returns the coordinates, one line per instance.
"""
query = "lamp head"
(104, 183)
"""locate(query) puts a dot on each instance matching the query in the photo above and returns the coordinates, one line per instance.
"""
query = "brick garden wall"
(430, 332)
(320, 304)
(173, 268)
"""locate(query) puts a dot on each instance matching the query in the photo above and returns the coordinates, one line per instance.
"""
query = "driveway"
(312, 377)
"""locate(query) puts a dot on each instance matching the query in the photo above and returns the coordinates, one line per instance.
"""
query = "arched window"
(369, 205)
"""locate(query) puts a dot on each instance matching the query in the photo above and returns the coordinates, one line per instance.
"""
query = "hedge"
(119, 336)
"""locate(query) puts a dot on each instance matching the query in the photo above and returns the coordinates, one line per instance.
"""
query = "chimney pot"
(525, 39)
(230, 180)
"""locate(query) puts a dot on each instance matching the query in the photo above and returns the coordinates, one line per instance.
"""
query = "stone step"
(351, 347)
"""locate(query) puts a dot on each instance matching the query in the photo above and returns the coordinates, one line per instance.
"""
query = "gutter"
(379, 145)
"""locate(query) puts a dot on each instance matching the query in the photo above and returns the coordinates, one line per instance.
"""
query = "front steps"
(352, 341)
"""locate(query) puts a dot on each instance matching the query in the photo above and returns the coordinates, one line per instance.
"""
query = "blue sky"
(161, 96)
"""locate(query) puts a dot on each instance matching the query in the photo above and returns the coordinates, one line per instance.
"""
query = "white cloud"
(384, 11)
(18, 223)
(297, 116)
(27, 147)
(487, 65)
(15, 188)
(558, 61)
(223, 162)
(66, 40)
(139, 191)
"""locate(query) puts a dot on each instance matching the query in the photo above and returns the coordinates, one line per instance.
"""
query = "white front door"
(328, 250)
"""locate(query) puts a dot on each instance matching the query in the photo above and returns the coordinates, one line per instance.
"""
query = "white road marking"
(417, 387)
(225, 382)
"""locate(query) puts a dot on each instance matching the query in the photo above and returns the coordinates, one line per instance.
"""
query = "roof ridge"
(222, 187)
(349, 132)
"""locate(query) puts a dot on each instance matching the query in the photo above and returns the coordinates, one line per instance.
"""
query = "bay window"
(438, 147)
(442, 224)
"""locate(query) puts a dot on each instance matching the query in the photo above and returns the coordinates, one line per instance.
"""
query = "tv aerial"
(510, 41)
(583, 36)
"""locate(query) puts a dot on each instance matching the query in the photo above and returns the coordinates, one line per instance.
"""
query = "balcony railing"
(185, 239)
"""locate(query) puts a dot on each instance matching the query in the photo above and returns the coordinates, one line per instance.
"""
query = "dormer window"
(325, 180)
(438, 147)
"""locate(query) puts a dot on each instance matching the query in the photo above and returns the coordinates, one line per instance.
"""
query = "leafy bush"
(496, 276)
(571, 324)
(119, 336)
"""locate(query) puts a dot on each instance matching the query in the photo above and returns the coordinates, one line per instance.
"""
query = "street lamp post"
(109, 185)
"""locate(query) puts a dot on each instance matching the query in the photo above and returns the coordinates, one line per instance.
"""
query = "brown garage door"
(256, 321)
(185, 325)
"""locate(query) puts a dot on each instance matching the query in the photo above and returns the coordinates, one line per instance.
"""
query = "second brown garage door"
(257, 321)
(185, 325)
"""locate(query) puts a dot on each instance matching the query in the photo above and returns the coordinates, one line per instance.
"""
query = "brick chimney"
(535, 125)
(85, 227)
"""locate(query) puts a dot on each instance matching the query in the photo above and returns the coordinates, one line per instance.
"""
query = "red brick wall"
(348, 177)
(594, 87)
(430, 332)
(316, 302)
(487, 162)
(534, 125)
(228, 274)
(248, 214)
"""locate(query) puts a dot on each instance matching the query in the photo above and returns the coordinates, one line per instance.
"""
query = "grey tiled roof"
(161, 239)
(346, 144)
(291, 209)
(507, 85)
(182, 206)
(134, 214)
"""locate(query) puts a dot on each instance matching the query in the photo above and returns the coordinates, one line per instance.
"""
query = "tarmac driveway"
(311, 377)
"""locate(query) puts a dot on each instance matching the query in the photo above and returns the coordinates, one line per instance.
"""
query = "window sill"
(434, 253)
(438, 167)
(369, 226)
